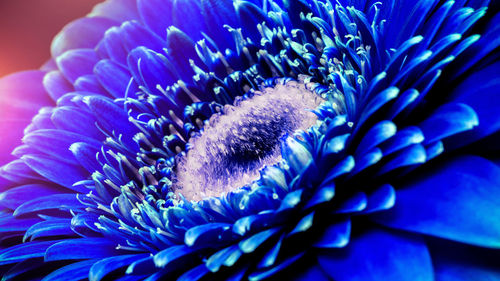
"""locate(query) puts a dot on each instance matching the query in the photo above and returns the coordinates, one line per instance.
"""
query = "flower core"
(235, 145)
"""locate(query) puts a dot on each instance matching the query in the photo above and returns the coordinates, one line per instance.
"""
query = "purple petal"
(76, 63)
(56, 85)
(118, 10)
(21, 96)
(81, 33)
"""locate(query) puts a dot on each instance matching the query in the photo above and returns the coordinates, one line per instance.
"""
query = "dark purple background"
(28, 26)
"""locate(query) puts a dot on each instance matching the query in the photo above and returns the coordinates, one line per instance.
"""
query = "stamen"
(173, 131)
(192, 96)
(176, 119)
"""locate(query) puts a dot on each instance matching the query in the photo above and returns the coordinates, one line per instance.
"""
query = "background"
(28, 26)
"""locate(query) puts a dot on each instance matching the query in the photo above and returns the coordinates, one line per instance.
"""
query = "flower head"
(347, 140)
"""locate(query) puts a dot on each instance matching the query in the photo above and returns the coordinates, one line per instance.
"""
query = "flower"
(353, 140)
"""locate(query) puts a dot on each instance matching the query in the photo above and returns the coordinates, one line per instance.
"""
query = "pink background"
(28, 26)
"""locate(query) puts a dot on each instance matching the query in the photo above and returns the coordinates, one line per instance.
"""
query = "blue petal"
(322, 195)
(14, 197)
(112, 118)
(480, 91)
(206, 232)
(113, 77)
(74, 271)
(84, 224)
(271, 256)
(102, 268)
(227, 257)
(253, 242)
(454, 262)
(412, 155)
(379, 255)
(352, 204)
(336, 144)
(64, 202)
(23, 269)
(376, 135)
(250, 224)
(250, 16)
(312, 273)
(434, 24)
(81, 33)
(304, 224)
(86, 155)
(404, 100)
(335, 236)
(156, 14)
(18, 171)
(291, 200)
(296, 155)
(56, 143)
(482, 48)
(52, 227)
(403, 138)
(195, 273)
(142, 266)
(173, 254)
(217, 14)
(89, 83)
(343, 167)
(133, 35)
(406, 20)
(186, 9)
(55, 171)
(448, 120)
(457, 200)
(265, 274)
(76, 120)
(382, 198)
(366, 160)
(181, 50)
(81, 248)
(434, 149)
(12, 224)
(377, 102)
(24, 251)
(149, 69)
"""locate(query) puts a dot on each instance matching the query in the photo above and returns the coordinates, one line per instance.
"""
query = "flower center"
(236, 145)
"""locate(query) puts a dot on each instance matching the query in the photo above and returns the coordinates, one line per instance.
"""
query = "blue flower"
(346, 140)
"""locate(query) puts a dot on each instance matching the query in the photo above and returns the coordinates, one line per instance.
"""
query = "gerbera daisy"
(322, 140)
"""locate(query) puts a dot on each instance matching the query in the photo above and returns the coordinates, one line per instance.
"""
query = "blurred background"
(28, 26)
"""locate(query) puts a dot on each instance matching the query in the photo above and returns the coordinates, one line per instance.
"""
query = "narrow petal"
(100, 269)
(81, 248)
(64, 202)
(74, 271)
(55, 171)
(14, 197)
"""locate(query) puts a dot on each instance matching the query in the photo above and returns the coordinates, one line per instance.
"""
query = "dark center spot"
(234, 146)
